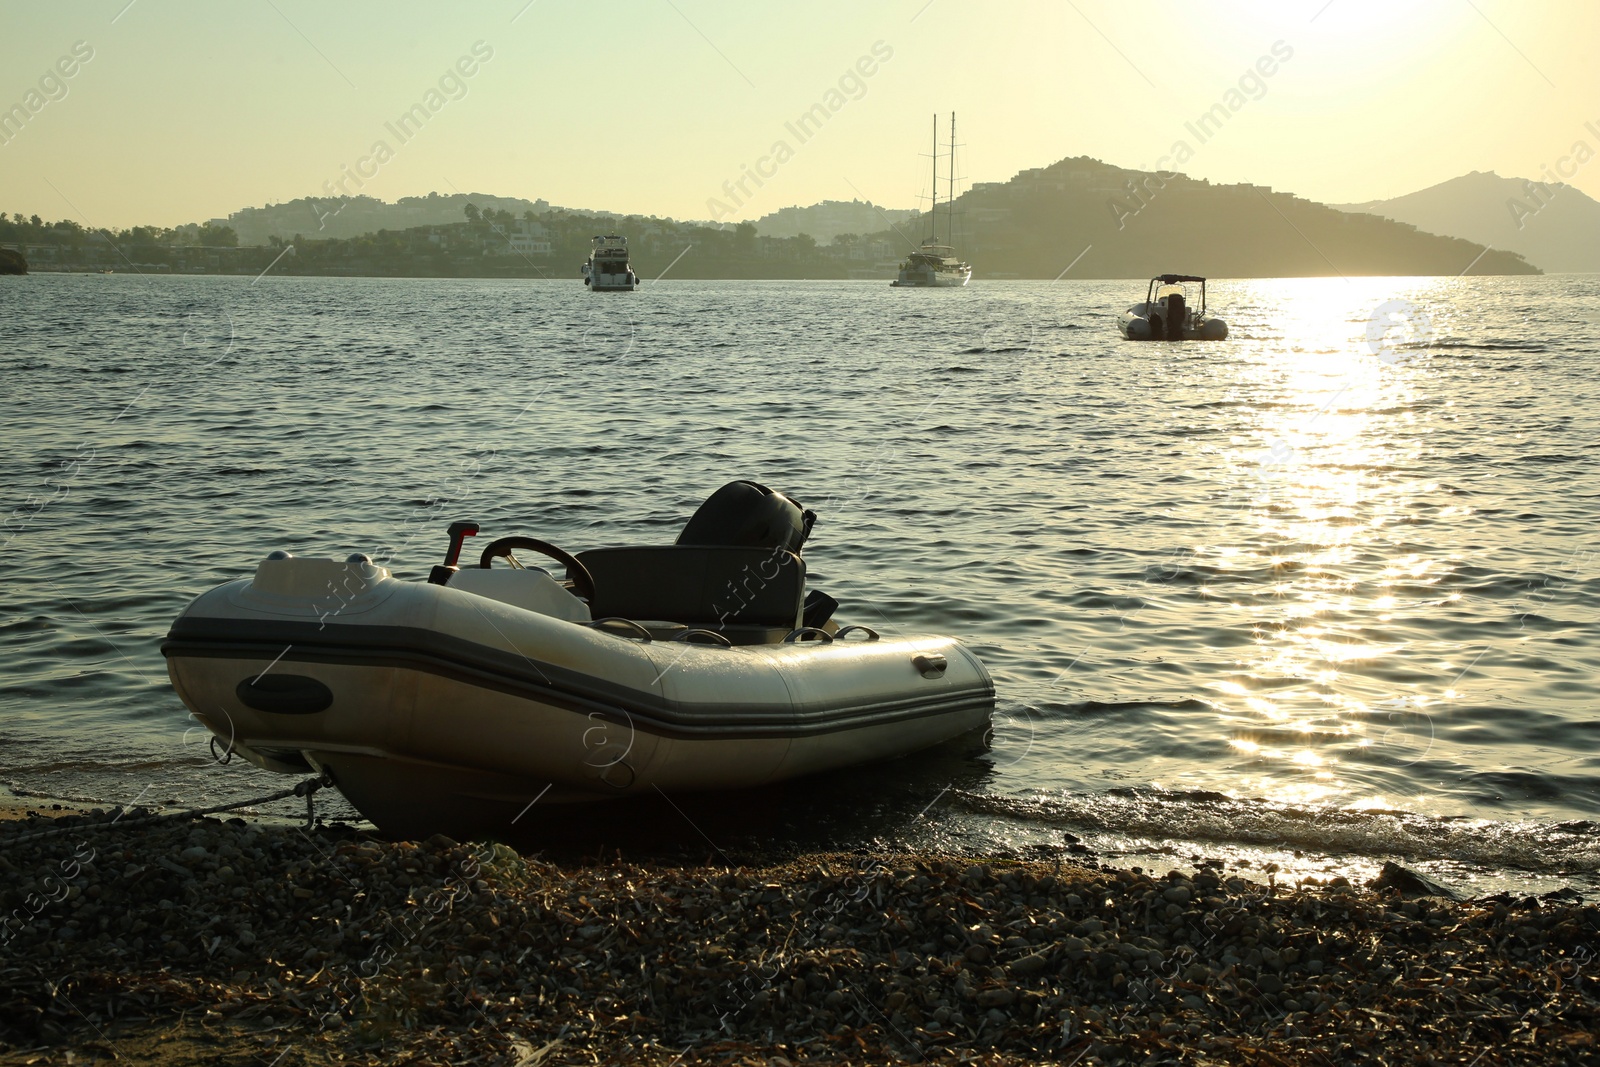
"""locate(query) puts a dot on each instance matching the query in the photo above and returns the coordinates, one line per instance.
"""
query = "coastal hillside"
(479, 243)
(1136, 223)
(339, 216)
(827, 220)
(1549, 223)
(1100, 220)
(1132, 223)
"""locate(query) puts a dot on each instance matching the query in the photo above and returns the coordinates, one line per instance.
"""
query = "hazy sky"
(188, 109)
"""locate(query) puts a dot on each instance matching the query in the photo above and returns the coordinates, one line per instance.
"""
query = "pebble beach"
(233, 942)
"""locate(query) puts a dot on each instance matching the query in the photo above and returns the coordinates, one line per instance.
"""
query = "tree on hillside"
(472, 212)
(218, 236)
(145, 235)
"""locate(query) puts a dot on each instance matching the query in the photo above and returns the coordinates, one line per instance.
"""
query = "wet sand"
(241, 943)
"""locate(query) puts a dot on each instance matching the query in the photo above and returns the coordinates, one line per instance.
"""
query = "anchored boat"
(607, 270)
(935, 265)
(1170, 312)
(454, 704)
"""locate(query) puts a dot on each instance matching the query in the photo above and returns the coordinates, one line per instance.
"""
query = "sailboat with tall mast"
(935, 265)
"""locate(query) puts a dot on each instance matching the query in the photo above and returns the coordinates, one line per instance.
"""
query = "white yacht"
(935, 265)
(607, 270)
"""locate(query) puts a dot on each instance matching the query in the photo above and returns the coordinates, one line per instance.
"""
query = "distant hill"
(1552, 225)
(1125, 223)
(1135, 224)
(827, 220)
(324, 217)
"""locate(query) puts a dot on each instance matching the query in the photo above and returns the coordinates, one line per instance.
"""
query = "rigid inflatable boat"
(1169, 313)
(453, 705)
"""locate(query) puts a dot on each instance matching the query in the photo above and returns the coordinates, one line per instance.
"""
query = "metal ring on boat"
(618, 620)
(872, 635)
(690, 637)
(806, 632)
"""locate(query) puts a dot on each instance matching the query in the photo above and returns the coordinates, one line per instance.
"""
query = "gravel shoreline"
(231, 942)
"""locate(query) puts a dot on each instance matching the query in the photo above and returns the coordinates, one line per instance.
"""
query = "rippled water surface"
(1311, 589)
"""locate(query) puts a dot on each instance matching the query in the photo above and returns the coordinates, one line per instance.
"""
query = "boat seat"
(1177, 317)
(712, 587)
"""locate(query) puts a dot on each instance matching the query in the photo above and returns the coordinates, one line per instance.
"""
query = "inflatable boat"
(1170, 313)
(453, 705)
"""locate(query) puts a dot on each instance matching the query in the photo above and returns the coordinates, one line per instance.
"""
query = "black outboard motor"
(1177, 316)
(747, 514)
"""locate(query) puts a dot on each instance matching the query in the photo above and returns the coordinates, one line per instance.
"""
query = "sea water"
(1320, 595)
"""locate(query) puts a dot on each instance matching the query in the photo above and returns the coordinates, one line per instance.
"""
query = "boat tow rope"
(307, 789)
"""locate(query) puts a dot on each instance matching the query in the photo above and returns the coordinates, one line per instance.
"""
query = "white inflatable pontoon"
(452, 705)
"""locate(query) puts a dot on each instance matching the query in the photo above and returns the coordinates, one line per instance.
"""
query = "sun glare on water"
(1320, 488)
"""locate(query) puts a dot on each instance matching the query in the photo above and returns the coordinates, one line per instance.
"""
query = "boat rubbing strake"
(450, 705)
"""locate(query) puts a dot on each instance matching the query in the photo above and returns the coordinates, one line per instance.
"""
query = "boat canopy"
(1172, 279)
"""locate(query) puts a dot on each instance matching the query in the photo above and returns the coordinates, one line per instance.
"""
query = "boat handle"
(618, 620)
(284, 694)
(690, 637)
(872, 635)
(930, 664)
(807, 633)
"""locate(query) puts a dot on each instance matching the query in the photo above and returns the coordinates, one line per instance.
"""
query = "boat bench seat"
(705, 586)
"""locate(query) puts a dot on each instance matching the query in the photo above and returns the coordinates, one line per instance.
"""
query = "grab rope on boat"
(306, 788)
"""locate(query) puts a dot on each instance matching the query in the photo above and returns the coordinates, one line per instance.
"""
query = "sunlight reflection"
(1321, 564)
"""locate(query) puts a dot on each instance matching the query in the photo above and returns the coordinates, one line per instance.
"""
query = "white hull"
(1134, 325)
(439, 709)
(610, 283)
(931, 280)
